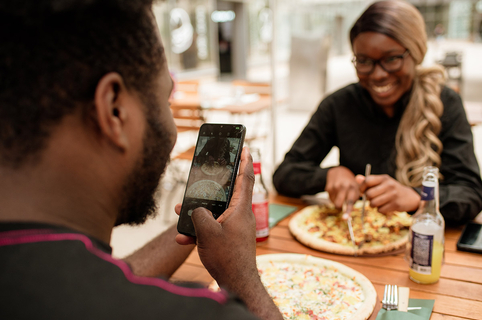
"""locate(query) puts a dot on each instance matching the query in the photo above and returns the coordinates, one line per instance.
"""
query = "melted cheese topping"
(303, 291)
(326, 223)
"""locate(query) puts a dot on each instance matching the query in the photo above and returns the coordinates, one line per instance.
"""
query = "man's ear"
(110, 109)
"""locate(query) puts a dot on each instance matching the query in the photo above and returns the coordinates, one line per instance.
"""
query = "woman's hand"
(387, 194)
(342, 187)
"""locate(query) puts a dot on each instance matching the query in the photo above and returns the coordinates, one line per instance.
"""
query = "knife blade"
(352, 236)
(368, 169)
(347, 216)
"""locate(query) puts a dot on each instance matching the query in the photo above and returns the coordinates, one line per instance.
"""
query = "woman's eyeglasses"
(389, 64)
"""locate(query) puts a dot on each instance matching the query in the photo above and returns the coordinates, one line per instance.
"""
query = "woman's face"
(386, 88)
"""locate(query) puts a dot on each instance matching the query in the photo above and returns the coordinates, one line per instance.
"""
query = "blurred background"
(268, 63)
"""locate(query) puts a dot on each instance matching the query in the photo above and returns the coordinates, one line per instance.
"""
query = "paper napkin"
(419, 314)
(278, 212)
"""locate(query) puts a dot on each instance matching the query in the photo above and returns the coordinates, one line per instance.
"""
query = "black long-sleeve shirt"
(350, 120)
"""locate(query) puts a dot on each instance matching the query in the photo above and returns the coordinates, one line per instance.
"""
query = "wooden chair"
(261, 88)
(188, 86)
(257, 123)
(188, 119)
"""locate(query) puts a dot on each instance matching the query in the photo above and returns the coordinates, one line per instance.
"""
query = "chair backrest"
(187, 86)
(188, 118)
(261, 88)
(187, 112)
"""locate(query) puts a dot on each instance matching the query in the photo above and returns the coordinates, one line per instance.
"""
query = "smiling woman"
(399, 118)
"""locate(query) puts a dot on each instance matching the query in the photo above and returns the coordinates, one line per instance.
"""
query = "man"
(85, 133)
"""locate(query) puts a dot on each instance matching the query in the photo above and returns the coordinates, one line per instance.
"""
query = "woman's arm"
(460, 184)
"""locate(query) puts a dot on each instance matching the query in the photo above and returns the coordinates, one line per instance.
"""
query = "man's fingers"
(185, 240)
(177, 208)
(243, 188)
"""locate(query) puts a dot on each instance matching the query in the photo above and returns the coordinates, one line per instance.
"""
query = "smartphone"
(213, 171)
(471, 238)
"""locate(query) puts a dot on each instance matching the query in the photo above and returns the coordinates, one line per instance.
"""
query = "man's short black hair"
(52, 55)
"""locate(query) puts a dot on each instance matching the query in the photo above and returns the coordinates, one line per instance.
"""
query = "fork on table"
(390, 299)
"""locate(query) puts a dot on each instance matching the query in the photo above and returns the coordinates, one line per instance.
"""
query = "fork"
(390, 297)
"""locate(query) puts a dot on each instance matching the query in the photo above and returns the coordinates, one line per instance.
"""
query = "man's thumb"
(204, 221)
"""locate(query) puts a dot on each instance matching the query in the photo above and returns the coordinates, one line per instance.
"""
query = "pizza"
(306, 287)
(322, 228)
(212, 169)
(206, 189)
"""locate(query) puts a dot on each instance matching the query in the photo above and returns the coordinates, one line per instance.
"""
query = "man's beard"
(139, 203)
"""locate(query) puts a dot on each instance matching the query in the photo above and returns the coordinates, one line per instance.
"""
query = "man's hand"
(227, 247)
(387, 194)
(342, 187)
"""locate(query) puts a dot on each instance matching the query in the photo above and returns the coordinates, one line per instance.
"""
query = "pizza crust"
(213, 169)
(368, 305)
(308, 239)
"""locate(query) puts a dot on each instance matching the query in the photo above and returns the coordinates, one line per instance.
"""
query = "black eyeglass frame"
(379, 62)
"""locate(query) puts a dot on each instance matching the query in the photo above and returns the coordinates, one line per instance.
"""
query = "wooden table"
(458, 294)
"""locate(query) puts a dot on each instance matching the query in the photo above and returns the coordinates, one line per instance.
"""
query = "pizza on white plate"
(322, 228)
(306, 287)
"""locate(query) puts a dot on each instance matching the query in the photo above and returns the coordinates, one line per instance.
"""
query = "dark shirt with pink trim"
(47, 272)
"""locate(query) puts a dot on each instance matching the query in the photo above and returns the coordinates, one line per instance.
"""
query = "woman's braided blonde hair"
(417, 141)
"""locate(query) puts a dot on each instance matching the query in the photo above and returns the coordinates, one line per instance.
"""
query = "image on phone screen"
(213, 171)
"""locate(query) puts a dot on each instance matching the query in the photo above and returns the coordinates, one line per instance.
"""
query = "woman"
(398, 117)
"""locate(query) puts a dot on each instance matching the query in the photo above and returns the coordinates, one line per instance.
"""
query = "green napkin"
(278, 212)
(419, 314)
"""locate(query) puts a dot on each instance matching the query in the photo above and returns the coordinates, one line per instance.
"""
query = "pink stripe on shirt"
(13, 239)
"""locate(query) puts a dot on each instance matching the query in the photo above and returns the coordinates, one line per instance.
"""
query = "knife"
(368, 169)
(350, 227)
(352, 236)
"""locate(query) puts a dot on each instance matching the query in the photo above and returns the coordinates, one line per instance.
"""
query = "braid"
(417, 141)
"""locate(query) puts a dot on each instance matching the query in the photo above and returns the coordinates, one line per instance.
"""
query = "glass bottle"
(426, 237)
(260, 200)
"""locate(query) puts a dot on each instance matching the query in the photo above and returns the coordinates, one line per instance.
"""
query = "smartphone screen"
(213, 172)
(471, 238)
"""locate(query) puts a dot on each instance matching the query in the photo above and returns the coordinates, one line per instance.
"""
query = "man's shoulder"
(68, 274)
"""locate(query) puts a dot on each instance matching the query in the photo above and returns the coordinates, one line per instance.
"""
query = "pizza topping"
(303, 291)
(325, 222)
